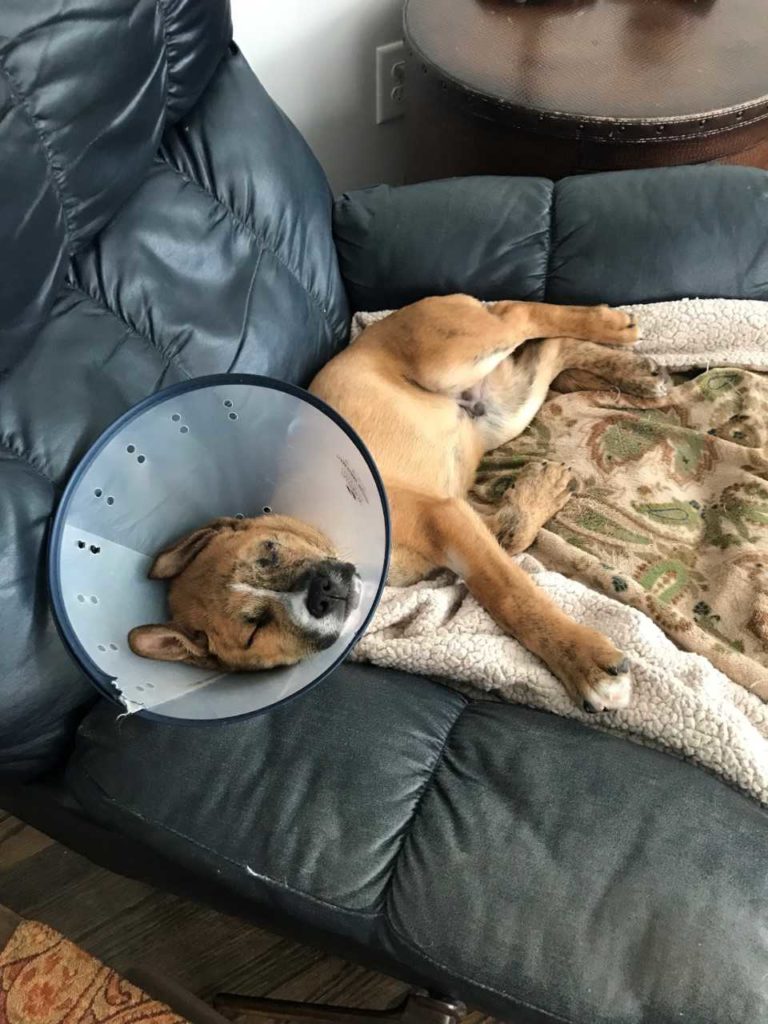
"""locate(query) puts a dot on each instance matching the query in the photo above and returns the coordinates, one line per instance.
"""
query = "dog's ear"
(169, 643)
(176, 558)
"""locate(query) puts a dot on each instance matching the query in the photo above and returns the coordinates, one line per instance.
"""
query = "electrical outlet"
(390, 81)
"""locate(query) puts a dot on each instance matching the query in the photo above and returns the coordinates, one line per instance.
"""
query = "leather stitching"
(169, 359)
(246, 309)
(56, 174)
(260, 240)
(477, 984)
(426, 785)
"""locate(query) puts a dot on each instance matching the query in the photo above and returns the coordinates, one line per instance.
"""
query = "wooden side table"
(557, 87)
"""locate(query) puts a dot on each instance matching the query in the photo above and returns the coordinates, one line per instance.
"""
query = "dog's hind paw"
(645, 378)
(615, 326)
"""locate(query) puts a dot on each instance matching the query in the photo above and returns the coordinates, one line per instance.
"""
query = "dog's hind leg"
(450, 533)
(511, 395)
(448, 344)
(590, 367)
(600, 324)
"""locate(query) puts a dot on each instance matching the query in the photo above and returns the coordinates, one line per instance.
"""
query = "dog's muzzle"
(332, 588)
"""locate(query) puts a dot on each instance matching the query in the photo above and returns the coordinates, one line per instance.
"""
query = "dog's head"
(249, 594)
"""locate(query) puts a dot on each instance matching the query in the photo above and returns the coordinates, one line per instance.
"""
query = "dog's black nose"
(328, 584)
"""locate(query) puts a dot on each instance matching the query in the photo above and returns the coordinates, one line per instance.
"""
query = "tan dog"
(429, 389)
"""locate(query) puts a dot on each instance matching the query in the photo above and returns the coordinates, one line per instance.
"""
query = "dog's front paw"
(540, 490)
(594, 672)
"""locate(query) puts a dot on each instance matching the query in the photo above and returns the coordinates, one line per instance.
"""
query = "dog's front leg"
(448, 532)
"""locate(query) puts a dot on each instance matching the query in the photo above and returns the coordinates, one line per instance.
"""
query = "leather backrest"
(85, 93)
(619, 237)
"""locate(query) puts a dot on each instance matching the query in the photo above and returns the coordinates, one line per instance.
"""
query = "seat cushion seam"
(56, 174)
(24, 457)
(551, 239)
(472, 981)
(246, 307)
(230, 860)
(261, 240)
(160, 6)
(423, 789)
(167, 358)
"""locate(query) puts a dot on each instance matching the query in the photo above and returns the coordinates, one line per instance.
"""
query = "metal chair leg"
(414, 1009)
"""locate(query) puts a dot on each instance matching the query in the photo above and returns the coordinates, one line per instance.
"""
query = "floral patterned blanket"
(672, 517)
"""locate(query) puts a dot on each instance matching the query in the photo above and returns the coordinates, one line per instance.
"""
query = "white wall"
(316, 59)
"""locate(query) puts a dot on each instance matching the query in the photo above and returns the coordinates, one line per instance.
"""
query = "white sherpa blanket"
(681, 703)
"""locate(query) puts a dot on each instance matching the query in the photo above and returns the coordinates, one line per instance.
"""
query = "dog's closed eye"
(258, 622)
(268, 554)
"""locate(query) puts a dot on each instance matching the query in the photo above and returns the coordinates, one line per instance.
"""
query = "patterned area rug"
(44, 979)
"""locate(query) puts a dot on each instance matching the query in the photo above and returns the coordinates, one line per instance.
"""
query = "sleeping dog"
(429, 389)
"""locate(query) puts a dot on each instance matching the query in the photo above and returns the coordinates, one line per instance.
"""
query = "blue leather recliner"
(160, 218)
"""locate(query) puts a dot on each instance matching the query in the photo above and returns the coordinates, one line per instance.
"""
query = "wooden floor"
(125, 923)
